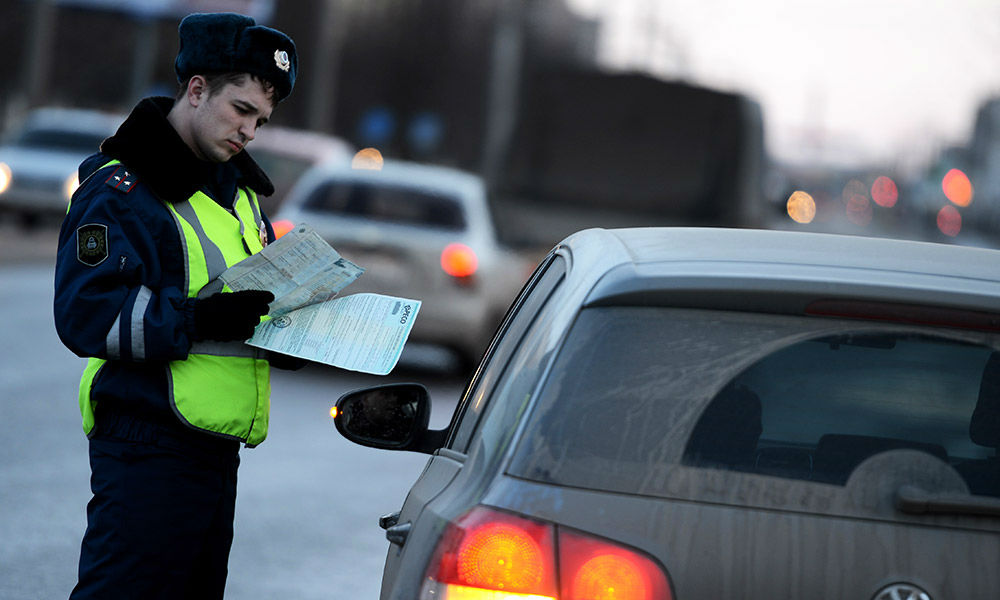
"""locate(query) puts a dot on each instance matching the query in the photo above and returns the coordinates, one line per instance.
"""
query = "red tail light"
(595, 569)
(282, 227)
(458, 260)
(490, 555)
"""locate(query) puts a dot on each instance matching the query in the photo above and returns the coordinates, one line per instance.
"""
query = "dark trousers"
(160, 523)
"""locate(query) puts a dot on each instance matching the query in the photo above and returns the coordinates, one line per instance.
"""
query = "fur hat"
(234, 43)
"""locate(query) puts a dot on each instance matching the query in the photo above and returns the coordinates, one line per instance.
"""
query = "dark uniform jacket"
(120, 254)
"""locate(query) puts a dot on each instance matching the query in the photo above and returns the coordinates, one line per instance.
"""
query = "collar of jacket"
(153, 150)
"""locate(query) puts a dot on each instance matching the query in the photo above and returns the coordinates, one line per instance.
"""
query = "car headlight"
(69, 186)
(5, 177)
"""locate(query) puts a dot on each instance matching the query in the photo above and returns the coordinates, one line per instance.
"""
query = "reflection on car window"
(817, 409)
(791, 397)
(393, 204)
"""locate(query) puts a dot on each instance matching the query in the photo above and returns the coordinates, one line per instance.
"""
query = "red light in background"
(859, 210)
(853, 188)
(884, 192)
(282, 227)
(458, 260)
(957, 187)
(949, 221)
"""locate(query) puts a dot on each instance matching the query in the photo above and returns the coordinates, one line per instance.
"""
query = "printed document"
(358, 332)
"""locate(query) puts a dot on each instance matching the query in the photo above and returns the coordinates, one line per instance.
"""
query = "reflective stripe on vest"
(222, 388)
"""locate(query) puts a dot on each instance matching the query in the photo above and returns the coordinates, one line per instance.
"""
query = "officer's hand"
(230, 316)
(286, 362)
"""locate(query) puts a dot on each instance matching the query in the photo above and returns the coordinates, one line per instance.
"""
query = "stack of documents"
(359, 332)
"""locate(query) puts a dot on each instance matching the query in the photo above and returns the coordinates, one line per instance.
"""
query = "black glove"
(286, 362)
(230, 316)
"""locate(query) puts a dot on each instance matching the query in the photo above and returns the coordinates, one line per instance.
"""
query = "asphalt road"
(308, 500)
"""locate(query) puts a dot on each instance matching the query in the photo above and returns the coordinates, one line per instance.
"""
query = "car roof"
(72, 119)
(416, 174)
(780, 271)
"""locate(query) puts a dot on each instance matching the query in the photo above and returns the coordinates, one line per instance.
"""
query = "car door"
(447, 463)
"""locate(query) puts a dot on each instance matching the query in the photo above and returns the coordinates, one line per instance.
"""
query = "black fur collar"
(150, 147)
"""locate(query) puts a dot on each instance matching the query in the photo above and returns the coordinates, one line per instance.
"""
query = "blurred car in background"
(713, 413)
(422, 232)
(285, 154)
(39, 159)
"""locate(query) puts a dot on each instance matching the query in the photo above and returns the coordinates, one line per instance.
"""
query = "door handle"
(397, 534)
(387, 521)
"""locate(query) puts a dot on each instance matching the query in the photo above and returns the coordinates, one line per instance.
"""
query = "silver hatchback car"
(707, 413)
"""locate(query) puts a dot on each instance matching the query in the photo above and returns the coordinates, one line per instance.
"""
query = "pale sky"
(842, 80)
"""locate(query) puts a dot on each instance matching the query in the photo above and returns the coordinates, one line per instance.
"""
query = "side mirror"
(391, 417)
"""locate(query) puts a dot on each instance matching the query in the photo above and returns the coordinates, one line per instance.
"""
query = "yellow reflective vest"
(222, 388)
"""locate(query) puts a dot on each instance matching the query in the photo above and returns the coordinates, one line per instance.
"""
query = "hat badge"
(281, 60)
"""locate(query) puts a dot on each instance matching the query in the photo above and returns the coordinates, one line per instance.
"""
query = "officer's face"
(225, 121)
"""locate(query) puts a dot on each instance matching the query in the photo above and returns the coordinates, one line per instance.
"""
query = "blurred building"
(982, 158)
(413, 77)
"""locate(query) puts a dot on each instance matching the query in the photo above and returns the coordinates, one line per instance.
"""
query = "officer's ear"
(197, 90)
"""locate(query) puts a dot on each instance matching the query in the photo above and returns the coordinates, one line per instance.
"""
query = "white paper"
(300, 269)
(360, 332)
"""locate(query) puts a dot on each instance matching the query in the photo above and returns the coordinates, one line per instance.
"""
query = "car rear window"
(388, 203)
(638, 391)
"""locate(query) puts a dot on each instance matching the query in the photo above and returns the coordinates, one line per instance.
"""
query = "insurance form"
(309, 319)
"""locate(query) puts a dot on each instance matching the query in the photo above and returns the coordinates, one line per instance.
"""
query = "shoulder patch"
(92, 244)
(121, 180)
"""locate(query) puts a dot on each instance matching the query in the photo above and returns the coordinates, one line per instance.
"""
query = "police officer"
(170, 390)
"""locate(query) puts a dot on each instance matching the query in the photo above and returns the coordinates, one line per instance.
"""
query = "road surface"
(308, 500)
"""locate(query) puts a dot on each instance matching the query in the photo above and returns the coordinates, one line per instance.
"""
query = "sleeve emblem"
(92, 244)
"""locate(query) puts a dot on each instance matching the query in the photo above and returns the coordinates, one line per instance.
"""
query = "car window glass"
(525, 310)
(388, 203)
(790, 397)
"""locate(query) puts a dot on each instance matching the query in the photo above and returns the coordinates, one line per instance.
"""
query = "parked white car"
(285, 154)
(40, 156)
(422, 232)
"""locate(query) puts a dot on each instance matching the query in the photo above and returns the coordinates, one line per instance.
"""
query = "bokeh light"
(801, 207)
(367, 158)
(949, 221)
(853, 188)
(884, 192)
(957, 187)
(859, 210)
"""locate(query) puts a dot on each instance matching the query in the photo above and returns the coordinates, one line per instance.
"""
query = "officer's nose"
(248, 131)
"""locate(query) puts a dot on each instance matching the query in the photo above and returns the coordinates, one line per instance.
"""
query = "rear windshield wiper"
(912, 500)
